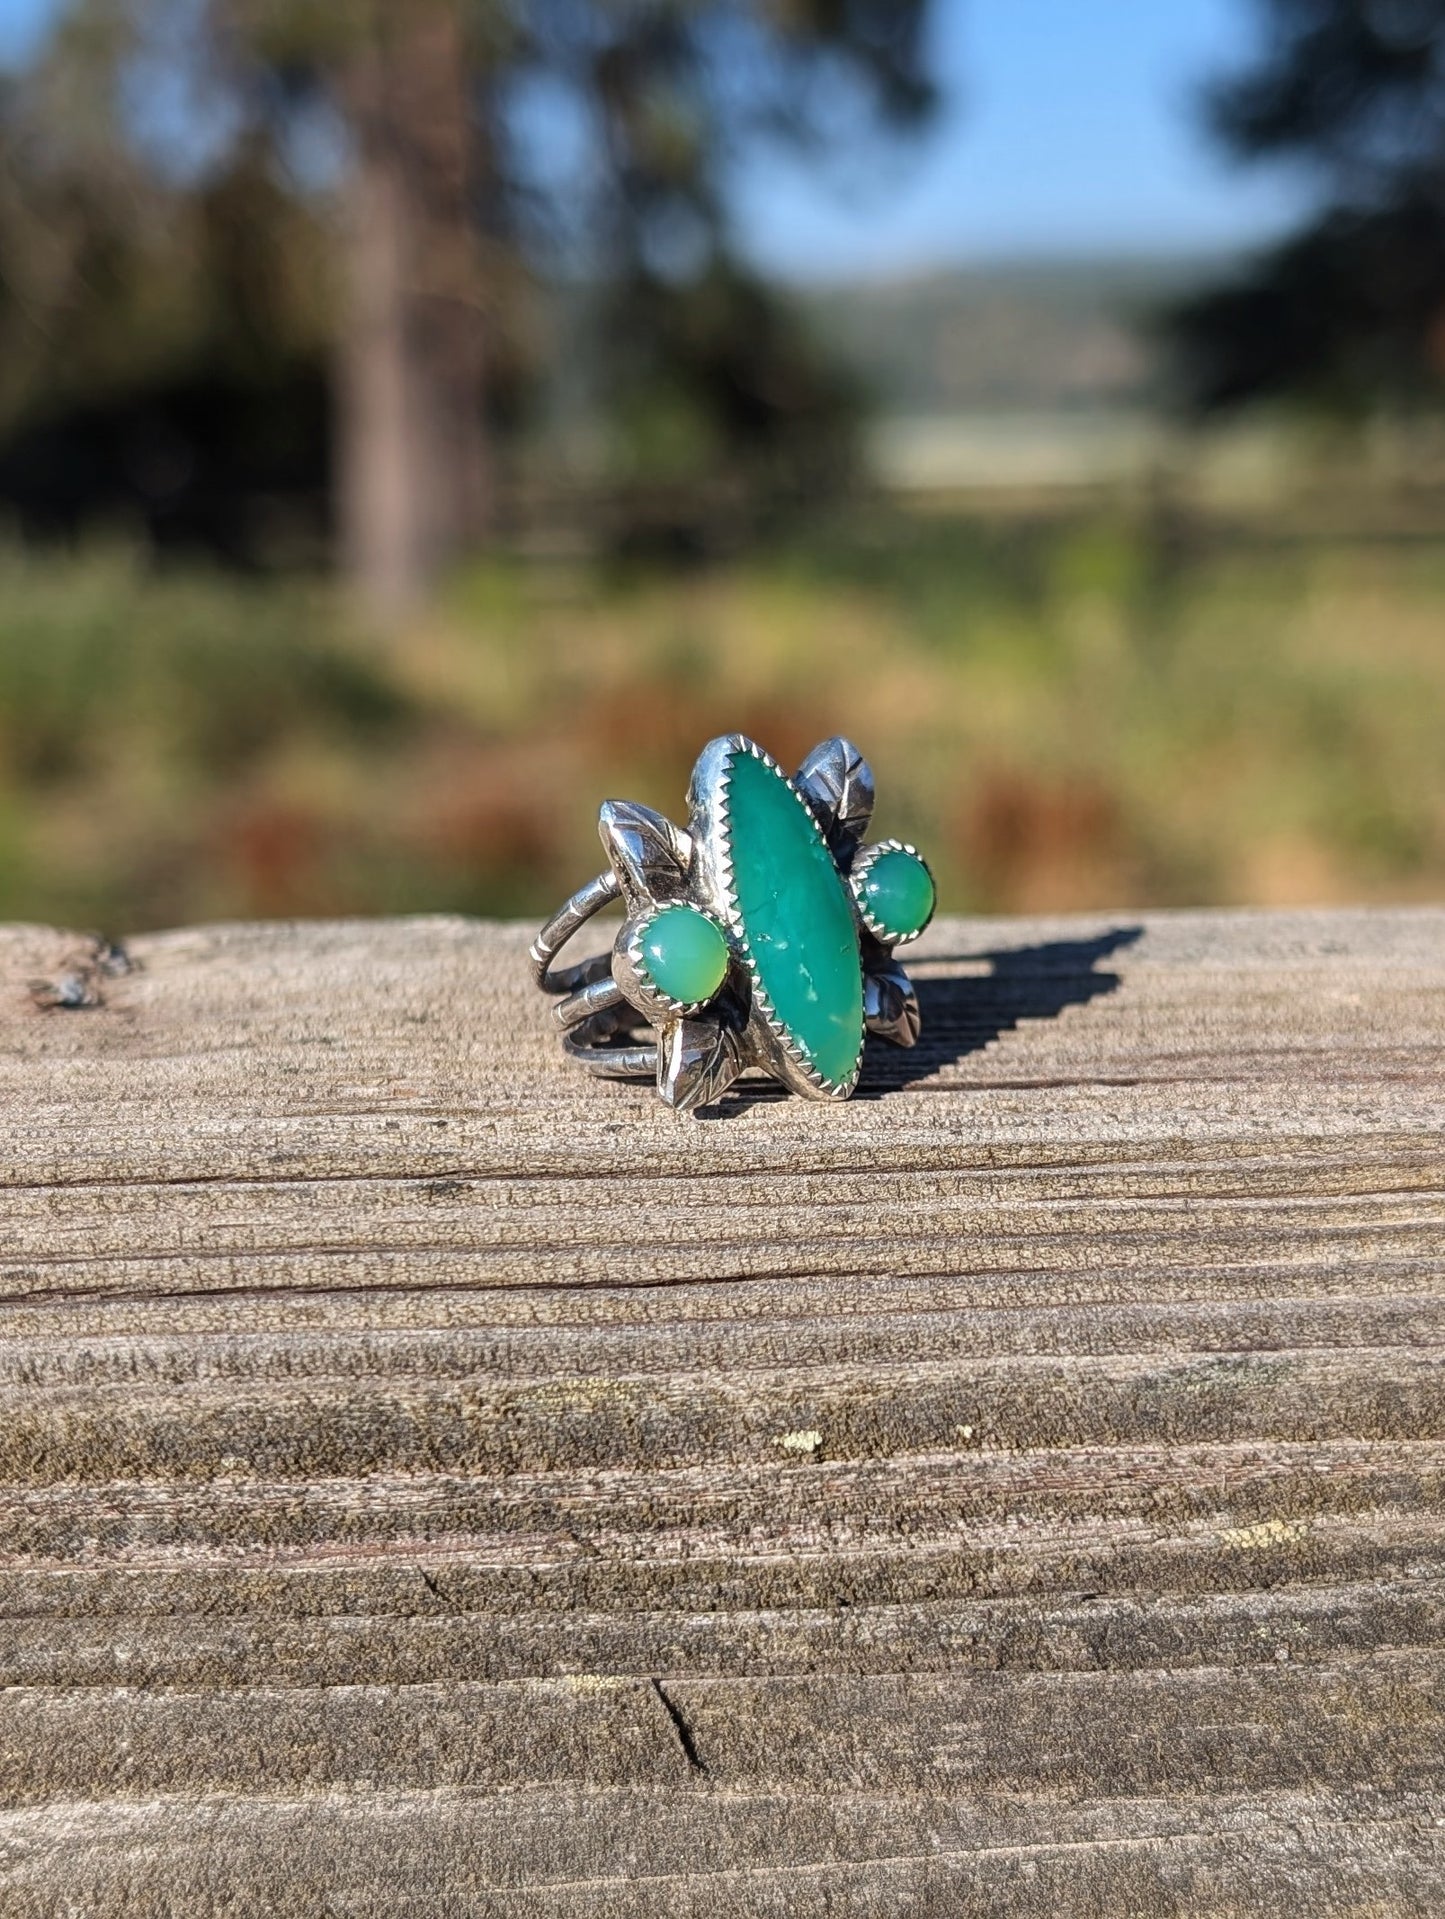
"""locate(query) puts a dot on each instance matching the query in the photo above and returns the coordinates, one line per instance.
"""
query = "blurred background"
(420, 420)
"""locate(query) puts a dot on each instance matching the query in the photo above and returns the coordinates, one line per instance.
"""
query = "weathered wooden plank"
(433, 1482)
(1252, 1728)
(617, 1853)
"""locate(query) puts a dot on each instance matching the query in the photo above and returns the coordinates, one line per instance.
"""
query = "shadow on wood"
(967, 1010)
(963, 1015)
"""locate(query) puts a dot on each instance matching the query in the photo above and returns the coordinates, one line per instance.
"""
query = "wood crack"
(679, 1726)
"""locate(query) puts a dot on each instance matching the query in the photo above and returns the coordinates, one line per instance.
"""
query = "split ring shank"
(612, 1062)
(589, 1011)
(586, 901)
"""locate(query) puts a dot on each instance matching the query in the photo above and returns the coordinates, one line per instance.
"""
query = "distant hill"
(1037, 337)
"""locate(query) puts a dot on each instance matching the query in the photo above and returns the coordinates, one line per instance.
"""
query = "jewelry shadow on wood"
(964, 1014)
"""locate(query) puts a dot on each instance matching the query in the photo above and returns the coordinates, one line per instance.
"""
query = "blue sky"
(21, 23)
(1068, 126)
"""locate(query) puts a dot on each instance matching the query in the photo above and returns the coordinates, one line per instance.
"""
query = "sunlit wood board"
(433, 1482)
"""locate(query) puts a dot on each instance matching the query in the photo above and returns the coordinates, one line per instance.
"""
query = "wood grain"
(435, 1483)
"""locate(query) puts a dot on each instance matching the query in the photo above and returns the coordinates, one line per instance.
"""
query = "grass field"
(1064, 714)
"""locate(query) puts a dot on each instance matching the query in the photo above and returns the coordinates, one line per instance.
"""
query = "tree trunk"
(412, 471)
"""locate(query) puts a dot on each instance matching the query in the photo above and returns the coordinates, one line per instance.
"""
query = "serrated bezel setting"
(699, 1047)
(713, 829)
(636, 931)
(865, 859)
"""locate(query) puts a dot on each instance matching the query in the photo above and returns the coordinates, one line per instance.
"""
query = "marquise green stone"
(684, 954)
(797, 918)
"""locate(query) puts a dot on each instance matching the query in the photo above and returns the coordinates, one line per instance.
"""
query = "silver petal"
(837, 783)
(890, 1005)
(697, 1060)
(649, 855)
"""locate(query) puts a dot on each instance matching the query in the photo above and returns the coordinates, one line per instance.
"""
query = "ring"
(760, 938)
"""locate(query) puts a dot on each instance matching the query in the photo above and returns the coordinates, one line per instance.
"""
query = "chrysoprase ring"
(761, 937)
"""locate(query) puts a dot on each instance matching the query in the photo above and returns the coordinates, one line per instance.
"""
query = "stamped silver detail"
(698, 1048)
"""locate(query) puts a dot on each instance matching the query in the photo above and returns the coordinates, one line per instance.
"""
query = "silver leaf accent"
(837, 783)
(697, 1060)
(890, 1005)
(649, 855)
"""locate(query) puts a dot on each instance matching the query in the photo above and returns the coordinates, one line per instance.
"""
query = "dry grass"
(1063, 715)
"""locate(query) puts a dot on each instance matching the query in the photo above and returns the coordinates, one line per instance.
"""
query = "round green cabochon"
(896, 891)
(684, 954)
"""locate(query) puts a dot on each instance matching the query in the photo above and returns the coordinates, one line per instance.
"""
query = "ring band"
(588, 991)
(760, 938)
(570, 919)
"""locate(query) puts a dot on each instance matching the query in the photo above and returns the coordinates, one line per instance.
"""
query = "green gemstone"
(684, 954)
(897, 892)
(796, 918)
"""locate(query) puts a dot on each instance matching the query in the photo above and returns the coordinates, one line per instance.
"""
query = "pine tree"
(1350, 310)
(401, 140)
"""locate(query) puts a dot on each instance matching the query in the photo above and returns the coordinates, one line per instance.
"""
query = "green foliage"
(194, 674)
(1059, 723)
(177, 267)
(1347, 311)
(721, 379)
(122, 276)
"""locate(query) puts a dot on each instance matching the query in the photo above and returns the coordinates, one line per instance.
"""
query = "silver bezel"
(701, 1046)
(629, 968)
(712, 837)
(865, 857)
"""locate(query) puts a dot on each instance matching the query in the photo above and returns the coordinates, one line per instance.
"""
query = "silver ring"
(760, 938)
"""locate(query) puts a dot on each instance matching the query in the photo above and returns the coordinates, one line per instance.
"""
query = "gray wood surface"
(435, 1483)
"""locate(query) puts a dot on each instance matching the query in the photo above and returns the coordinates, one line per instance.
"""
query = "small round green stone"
(897, 891)
(684, 954)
